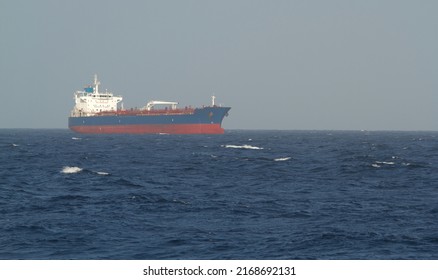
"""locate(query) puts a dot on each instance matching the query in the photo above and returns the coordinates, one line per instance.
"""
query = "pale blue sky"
(279, 64)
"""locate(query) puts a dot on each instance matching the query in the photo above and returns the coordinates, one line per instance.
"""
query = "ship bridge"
(90, 101)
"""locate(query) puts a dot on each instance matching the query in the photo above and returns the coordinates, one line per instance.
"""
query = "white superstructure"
(90, 101)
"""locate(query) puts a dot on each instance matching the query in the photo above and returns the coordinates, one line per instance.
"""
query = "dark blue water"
(241, 195)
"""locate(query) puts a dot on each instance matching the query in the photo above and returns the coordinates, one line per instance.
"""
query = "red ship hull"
(151, 129)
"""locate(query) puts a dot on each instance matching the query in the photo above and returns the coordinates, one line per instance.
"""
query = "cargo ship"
(103, 113)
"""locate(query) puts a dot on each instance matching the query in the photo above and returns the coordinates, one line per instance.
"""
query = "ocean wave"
(248, 147)
(71, 169)
(282, 159)
(378, 164)
(57, 215)
(15, 145)
(101, 173)
(76, 138)
(414, 165)
(385, 162)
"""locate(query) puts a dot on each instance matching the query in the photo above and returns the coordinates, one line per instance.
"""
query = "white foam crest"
(282, 159)
(71, 169)
(76, 138)
(248, 147)
(386, 162)
(102, 173)
(15, 145)
(375, 165)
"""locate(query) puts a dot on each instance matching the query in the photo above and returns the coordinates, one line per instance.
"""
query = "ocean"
(242, 195)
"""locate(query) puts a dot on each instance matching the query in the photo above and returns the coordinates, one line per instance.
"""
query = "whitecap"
(386, 162)
(102, 173)
(249, 147)
(76, 138)
(15, 145)
(282, 159)
(71, 169)
(375, 165)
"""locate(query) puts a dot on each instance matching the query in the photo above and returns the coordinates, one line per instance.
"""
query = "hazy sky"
(279, 64)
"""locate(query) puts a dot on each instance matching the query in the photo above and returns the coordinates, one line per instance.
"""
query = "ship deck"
(137, 112)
